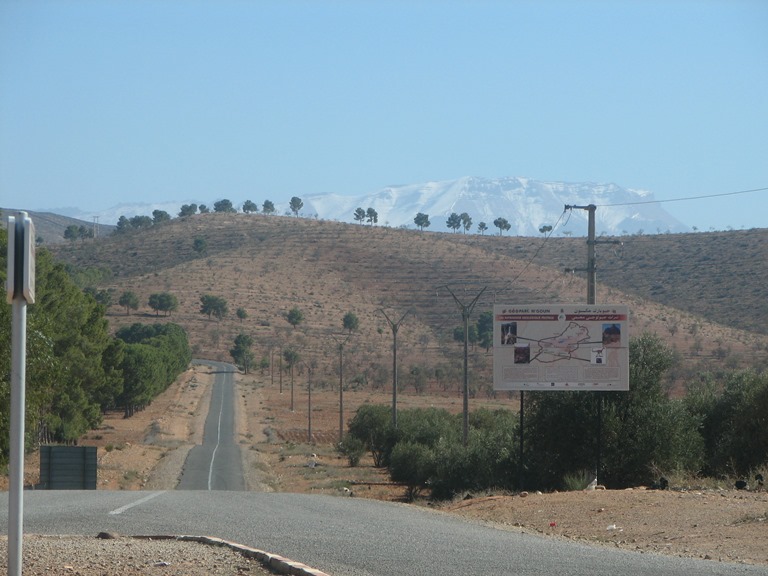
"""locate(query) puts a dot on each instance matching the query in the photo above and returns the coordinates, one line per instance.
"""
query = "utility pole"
(271, 368)
(290, 367)
(395, 326)
(309, 403)
(591, 268)
(591, 271)
(340, 341)
(466, 311)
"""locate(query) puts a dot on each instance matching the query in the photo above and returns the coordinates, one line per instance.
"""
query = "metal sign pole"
(20, 291)
(16, 471)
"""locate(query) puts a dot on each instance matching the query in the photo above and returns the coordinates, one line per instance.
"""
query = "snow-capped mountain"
(526, 204)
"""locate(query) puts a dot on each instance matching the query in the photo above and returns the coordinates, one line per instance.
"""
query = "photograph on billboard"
(560, 347)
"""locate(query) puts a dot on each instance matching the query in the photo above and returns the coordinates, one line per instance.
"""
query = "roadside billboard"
(560, 347)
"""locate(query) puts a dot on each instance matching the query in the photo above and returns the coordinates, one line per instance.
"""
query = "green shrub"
(575, 481)
(353, 448)
(372, 425)
(452, 471)
(427, 426)
(732, 418)
(488, 461)
(412, 464)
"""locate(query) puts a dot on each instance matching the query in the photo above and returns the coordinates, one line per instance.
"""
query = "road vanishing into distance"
(216, 463)
(341, 536)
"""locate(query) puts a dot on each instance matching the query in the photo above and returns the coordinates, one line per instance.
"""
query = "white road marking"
(218, 437)
(137, 503)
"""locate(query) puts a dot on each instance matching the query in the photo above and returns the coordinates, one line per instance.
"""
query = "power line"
(686, 198)
(536, 254)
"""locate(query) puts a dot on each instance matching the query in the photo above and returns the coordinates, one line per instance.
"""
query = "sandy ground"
(147, 451)
(715, 525)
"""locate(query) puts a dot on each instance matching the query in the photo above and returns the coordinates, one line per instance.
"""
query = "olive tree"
(241, 352)
(294, 317)
(129, 301)
(296, 205)
(213, 306)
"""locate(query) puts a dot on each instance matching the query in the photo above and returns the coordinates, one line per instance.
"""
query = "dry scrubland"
(270, 264)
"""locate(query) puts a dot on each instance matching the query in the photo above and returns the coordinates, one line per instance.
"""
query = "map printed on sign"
(560, 347)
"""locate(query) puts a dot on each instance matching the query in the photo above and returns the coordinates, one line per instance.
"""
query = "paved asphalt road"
(340, 535)
(216, 464)
(346, 536)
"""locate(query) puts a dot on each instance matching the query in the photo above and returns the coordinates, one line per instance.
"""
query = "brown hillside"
(269, 264)
(50, 227)
(717, 275)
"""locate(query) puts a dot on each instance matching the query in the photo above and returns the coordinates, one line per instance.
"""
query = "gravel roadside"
(126, 556)
(108, 555)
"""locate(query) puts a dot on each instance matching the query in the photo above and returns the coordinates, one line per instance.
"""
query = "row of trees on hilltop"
(462, 221)
(141, 222)
(75, 369)
(454, 221)
(370, 215)
(125, 224)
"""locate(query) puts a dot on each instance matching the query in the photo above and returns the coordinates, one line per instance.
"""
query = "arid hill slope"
(269, 264)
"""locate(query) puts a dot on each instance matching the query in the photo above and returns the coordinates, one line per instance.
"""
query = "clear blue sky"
(121, 101)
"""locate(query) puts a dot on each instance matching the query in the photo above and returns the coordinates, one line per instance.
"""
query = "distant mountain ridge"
(525, 203)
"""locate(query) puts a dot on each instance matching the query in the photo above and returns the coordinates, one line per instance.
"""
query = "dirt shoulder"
(293, 451)
(727, 525)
